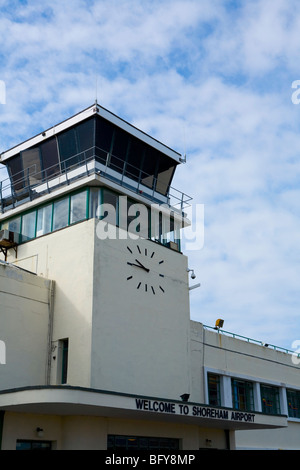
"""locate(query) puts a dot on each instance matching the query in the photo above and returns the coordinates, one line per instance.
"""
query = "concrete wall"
(24, 321)
(90, 432)
(234, 358)
(140, 338)
(120, 338)
(67, 257)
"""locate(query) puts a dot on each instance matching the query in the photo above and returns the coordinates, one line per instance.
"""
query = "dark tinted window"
(16, 172)
(104, 136)
(49, 154)
(119, 151)
(32, 165)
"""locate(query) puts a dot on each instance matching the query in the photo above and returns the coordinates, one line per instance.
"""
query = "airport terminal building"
(97, 349)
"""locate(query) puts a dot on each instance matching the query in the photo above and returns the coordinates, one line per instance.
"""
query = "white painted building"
(97, 347)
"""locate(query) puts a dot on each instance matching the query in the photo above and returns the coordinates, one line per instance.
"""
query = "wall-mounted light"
(219, 323)
(185, 396)
(40, 432)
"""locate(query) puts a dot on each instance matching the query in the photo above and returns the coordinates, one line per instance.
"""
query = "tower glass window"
(49, 155)
(28, 226)
(61, 214)
(44, 220)
(78, 208)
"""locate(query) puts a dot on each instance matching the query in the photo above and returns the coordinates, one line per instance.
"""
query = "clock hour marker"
(162, 275)
(161, 289)
(139, 285)
(160, 262)
(130, 277)
(139, 250)
(153, 290)
(145, 287)
(129, 249)
(145, 251)
(152, 254)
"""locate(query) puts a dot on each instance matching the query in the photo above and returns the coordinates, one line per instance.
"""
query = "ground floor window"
(115, 442)
(33, 445)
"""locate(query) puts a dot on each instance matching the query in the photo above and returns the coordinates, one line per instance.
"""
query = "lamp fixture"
(185, 396)
(40, 432)
(219, 324)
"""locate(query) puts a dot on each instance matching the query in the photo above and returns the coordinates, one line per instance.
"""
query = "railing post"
(1, 199)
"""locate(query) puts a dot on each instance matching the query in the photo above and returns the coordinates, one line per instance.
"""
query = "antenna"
(96, 90)
(183, 160)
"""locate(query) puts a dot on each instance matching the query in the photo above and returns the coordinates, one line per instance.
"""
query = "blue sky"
(211, 78)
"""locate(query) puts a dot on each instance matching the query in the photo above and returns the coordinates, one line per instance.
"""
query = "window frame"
(271, 394)
(217, 378)
(293, 399)
(248, 396)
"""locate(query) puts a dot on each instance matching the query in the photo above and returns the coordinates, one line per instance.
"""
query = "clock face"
(145, 270)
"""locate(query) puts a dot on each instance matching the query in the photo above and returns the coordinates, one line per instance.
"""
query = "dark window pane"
(242, 395)
(85, 135)
(16, 174)
(293, 399)
(270, 399)
(149, 167)
(104, 136)
(134, 158)
(68, 148)
(33, 445)
(49, 154)
(137, 442)
(119, 151)
(214, 394)
(164, 179)
(32, 165)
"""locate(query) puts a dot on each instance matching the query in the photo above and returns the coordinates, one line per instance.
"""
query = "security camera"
(193, 275)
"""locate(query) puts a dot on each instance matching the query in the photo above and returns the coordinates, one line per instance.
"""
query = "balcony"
(35, 183)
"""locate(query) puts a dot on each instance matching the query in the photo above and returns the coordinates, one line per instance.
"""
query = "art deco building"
(97, 347)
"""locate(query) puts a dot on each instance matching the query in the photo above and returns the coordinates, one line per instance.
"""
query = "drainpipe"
(50, 331)
(1, 427)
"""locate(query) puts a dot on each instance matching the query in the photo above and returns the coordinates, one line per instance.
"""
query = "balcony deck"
(34, 184)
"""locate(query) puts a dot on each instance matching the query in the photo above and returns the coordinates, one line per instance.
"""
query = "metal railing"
(23, 187)
(250, 340)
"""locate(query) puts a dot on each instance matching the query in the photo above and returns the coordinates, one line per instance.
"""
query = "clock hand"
(138, 266)
(141, 266)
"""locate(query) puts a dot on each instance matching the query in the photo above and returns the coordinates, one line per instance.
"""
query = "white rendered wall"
(24, 320)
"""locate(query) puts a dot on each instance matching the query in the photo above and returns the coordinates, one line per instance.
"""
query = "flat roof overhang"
(69, 400)
(93, 110)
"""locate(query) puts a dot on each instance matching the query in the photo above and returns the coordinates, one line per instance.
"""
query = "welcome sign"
(193, 410)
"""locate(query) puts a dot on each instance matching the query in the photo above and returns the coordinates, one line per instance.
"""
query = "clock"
(145, 270)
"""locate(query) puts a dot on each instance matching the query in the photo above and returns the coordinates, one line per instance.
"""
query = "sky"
(213, 79)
